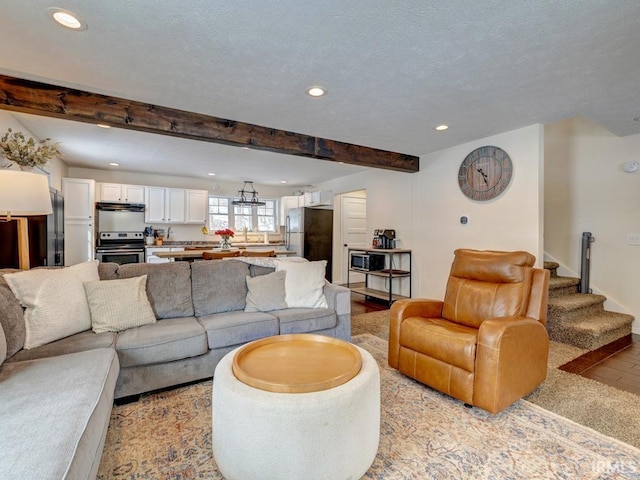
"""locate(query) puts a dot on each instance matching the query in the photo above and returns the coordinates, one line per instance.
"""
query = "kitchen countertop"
(198, 253)
(173, 243)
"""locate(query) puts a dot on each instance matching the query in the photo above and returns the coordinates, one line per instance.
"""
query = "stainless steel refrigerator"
(309, 232)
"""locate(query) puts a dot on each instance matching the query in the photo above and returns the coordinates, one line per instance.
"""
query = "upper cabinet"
(196, 206)
(164, 205)
(318, 199)
(286, 204)
(175, 205)
(116, 192)
(79, 194)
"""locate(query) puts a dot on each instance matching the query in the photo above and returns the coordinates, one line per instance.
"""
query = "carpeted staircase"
(580, 318)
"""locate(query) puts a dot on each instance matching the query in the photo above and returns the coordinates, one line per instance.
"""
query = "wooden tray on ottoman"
(297, 363)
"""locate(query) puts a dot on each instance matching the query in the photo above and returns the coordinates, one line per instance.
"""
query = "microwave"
(367, 262)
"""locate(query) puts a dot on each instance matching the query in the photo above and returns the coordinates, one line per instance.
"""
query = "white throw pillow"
(56, 305)
(304, 283)
(116, 305)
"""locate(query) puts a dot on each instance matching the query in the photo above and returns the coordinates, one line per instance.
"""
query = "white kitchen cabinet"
(116, 192)
(164, 205)
(79, 194)
(151, 257)
(286, 204)
(196, 206)
(317, 199)
(79, 242)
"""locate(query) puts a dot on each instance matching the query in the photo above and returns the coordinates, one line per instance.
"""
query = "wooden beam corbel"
(37, 98)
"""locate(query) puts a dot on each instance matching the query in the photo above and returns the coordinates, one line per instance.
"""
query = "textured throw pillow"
(3, 346)
(304, 283)
(266, 292)
(56, 305)
(116, 305)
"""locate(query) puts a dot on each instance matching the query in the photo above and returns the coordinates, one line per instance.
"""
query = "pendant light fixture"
(248, 189)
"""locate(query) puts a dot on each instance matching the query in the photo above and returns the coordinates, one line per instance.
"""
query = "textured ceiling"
(393, 71)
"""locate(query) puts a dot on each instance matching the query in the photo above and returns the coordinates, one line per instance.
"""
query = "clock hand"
(484, 175)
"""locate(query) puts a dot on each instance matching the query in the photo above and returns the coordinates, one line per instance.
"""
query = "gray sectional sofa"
(55, 400)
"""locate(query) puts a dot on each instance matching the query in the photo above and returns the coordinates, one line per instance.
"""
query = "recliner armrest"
(405, 308)
(511, 361)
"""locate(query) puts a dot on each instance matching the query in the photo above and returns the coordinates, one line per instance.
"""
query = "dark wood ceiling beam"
(37, 98)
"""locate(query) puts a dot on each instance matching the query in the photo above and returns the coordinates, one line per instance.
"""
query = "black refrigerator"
(46, 237)
(310, 234)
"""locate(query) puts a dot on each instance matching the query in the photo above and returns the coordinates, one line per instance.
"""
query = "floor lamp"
(23, 194)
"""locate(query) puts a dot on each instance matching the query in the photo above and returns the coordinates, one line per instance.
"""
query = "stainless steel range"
(120, 247)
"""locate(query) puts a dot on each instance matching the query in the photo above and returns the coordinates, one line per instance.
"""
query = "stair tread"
(575, 301)
(551, 265)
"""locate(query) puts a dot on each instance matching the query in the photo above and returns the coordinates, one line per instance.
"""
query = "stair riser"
(559, 333)
(562, 291)
(567, 316)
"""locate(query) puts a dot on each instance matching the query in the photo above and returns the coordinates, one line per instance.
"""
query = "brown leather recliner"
(486, 344)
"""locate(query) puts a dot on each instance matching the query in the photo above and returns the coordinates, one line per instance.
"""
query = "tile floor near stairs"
(616, 364)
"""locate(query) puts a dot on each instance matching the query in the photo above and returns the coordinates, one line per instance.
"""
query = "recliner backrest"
(487, 284)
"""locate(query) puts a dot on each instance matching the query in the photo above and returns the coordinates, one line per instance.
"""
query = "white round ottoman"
(324, 435)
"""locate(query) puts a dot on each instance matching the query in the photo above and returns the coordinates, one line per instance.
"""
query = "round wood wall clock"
(485, 173)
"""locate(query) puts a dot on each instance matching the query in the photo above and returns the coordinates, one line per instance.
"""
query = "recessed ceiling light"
(283, 181)
(245, 148)
(442, 128)
(103, 125)
(316, 91)
(211, 174)
(67, 19)
(114, 164)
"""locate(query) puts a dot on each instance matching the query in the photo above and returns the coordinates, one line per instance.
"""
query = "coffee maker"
(384, 238)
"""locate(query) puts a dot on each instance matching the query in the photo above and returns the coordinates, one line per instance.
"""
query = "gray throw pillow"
(266, 292)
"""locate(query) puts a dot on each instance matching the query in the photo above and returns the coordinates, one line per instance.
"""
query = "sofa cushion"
(218, 286)
(164, 341)
(11, 316)
(55, 413)
(108, 270)
(257, 270)
(235, 328)
(304, 283)
(55, 301)
(266, 292)
(168, 286)
(116, 305)
(79, 342)
(304, 320)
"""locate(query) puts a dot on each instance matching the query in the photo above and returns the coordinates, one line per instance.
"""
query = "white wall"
(425, 207)
(588, 191)
(55, 167)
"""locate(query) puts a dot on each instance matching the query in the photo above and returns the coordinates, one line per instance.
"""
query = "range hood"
(119, 207)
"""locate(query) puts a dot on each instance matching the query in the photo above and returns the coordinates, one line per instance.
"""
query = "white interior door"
(353, 233)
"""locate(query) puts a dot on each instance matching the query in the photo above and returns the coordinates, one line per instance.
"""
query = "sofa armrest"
(338, 298)
(511, 361)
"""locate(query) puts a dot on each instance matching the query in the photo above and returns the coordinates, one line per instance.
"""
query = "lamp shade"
(24, 193)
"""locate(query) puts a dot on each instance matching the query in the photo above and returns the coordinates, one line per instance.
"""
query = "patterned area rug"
(424, 435)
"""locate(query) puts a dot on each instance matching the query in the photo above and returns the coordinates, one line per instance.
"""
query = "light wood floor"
(616, 364)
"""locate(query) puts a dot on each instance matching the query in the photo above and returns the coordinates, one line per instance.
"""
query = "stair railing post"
(585, 266)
